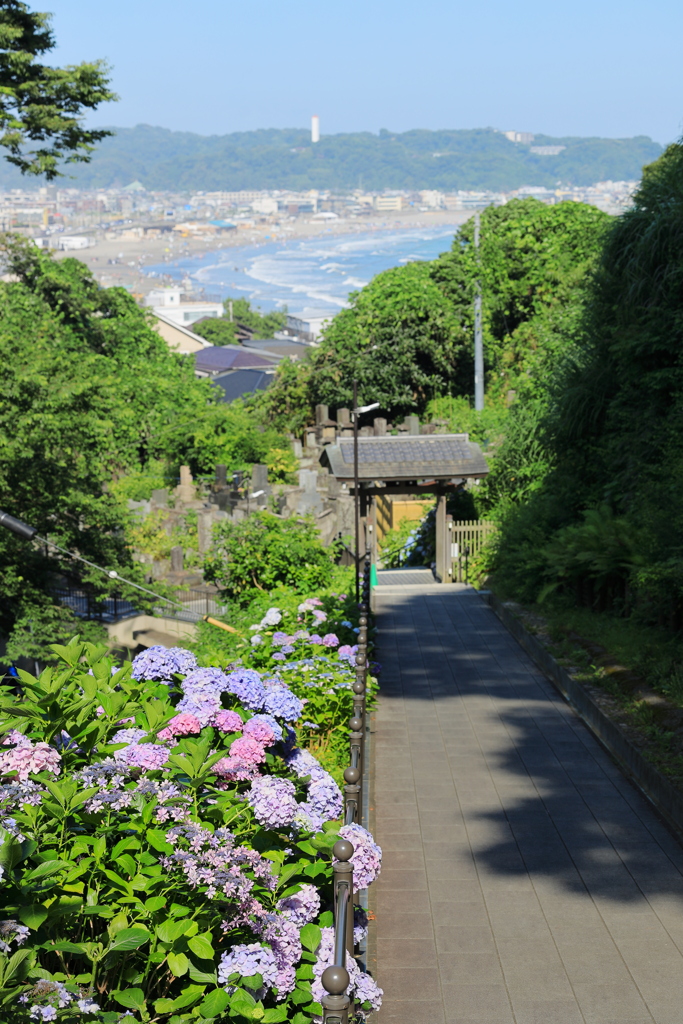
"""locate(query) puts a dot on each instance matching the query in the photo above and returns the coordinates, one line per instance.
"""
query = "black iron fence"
(337, 1004)
(184, 604)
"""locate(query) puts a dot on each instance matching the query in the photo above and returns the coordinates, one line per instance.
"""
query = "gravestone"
(159, 498)
(322, 413)
(298, 449)
(259, 482)
(412, 422)
(177, 558)
(186, 490)
(379, 425)
(204, 525)
(221, 476)
(310, 500)
(344, 417)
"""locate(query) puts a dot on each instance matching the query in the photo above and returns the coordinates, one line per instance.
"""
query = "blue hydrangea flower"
(246, 684)
(282, 703)
(159, 664)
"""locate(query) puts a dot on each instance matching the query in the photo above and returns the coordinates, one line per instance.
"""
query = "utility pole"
(478, 342)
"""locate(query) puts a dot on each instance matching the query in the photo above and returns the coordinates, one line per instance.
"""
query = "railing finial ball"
(343, 850)
(355, 723)
(335, 980)
(358, 686)
(351, 775)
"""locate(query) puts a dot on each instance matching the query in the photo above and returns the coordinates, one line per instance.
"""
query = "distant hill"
(274, 158)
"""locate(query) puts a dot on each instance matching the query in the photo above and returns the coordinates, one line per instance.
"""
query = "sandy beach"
(122, 261)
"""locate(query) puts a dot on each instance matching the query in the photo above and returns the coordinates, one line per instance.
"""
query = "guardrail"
(337, 1005)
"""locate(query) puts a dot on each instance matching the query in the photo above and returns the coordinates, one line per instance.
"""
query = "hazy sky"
(214, 66)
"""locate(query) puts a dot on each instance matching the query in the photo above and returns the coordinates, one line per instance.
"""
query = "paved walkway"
(524, 879)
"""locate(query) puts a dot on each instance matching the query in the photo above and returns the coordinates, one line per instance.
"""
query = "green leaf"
(156, 838)
(169, 931)
(44, 870)
(310, 937)
(300, 996)
(241, 1002)
(253, 981)
(215, 1003)
(326, 919)
(70, 947)
(131, 997)
(203, 977)
(178, 963)
(33, 916)
(163, 1006)
(275, 1015)
(201, 945)
(189, 995)
(301, 1018)
(155, 903)
(129, 938)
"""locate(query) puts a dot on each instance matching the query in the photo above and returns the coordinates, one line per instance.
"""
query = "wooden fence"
(467, 540)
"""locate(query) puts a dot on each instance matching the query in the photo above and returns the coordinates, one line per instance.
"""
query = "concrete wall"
(125, 632)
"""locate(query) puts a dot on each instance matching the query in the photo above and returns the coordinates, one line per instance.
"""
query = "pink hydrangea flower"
(259, 731)
(246, 754)
(227, 721)
(331, 640)
(27, 758)
(184, 724)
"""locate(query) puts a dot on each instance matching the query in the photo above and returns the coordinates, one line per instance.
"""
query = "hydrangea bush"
(165, 844)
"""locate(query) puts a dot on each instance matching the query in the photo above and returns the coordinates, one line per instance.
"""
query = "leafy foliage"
(264, 551)
(40, 104)
(222, 330)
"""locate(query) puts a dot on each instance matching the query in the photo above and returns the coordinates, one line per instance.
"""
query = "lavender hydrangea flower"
(302, 762)
(361, 985)
(325, 798)
(283, 937)
(256, 640)
(301, 908)
(160, 664)
(205, 681)
(246, 684)
(282, 703)
(367, 855)
(88, 1005)
(247, 960)
(143, 755)
(128, 735)
(331, 640)
(279, 638)
(273, 801)
(12, 931)
(202, 706)
(287, 649)
(368, 991)
(279, 656)
(316, 639)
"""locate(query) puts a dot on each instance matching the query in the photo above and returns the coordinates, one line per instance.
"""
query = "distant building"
(526, 138)
(173, 305)
(387, 203)
(547, 150)
(218, 359)
(178, 338)
(265, 205)
(431, 199)
(315, 128)
(68, 242)
(308, 323)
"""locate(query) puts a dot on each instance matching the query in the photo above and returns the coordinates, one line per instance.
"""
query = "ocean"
(314, 272)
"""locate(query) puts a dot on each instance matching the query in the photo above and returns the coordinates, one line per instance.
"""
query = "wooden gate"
(467, 540)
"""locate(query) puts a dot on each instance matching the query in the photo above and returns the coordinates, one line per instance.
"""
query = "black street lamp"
(357, 411)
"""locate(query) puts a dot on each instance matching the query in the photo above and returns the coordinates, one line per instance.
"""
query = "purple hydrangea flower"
(279, 656)
(316, 639)
(282, 703)
(128, 736)
(247, 960)
(331, 640)
(279, 638)
(283, 937)
(204, 681)
(246, 684)
(203, 706)
(273, 801)
(368, 991)
(287, 649)
(160, 664)
(325, 798)
(301, 908)
(367, 855)
(303, 763)
(143, 755)
(361, 985)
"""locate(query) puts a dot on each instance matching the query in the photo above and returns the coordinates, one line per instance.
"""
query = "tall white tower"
(315, 128)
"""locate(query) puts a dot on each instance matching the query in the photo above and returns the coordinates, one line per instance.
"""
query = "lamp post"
(356, 483)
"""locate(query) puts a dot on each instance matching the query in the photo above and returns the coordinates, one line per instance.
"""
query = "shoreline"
(132, 255)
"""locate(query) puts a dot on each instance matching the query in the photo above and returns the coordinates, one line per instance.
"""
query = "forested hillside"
(269, 159)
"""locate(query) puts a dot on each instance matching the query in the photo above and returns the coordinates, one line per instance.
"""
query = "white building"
(265, 205)
(68, 242)
(431, 199)
(172, 304)
(307, 324)
(389, 203)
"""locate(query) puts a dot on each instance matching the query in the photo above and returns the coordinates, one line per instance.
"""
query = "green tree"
(40, 104)
(90, 392)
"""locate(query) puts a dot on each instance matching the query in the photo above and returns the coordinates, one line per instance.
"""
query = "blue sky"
(211, 66)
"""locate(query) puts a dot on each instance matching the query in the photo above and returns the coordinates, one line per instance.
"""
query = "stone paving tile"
(525, 881)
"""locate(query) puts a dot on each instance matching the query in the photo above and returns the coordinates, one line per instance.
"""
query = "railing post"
(352, 791)
(335, 979)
